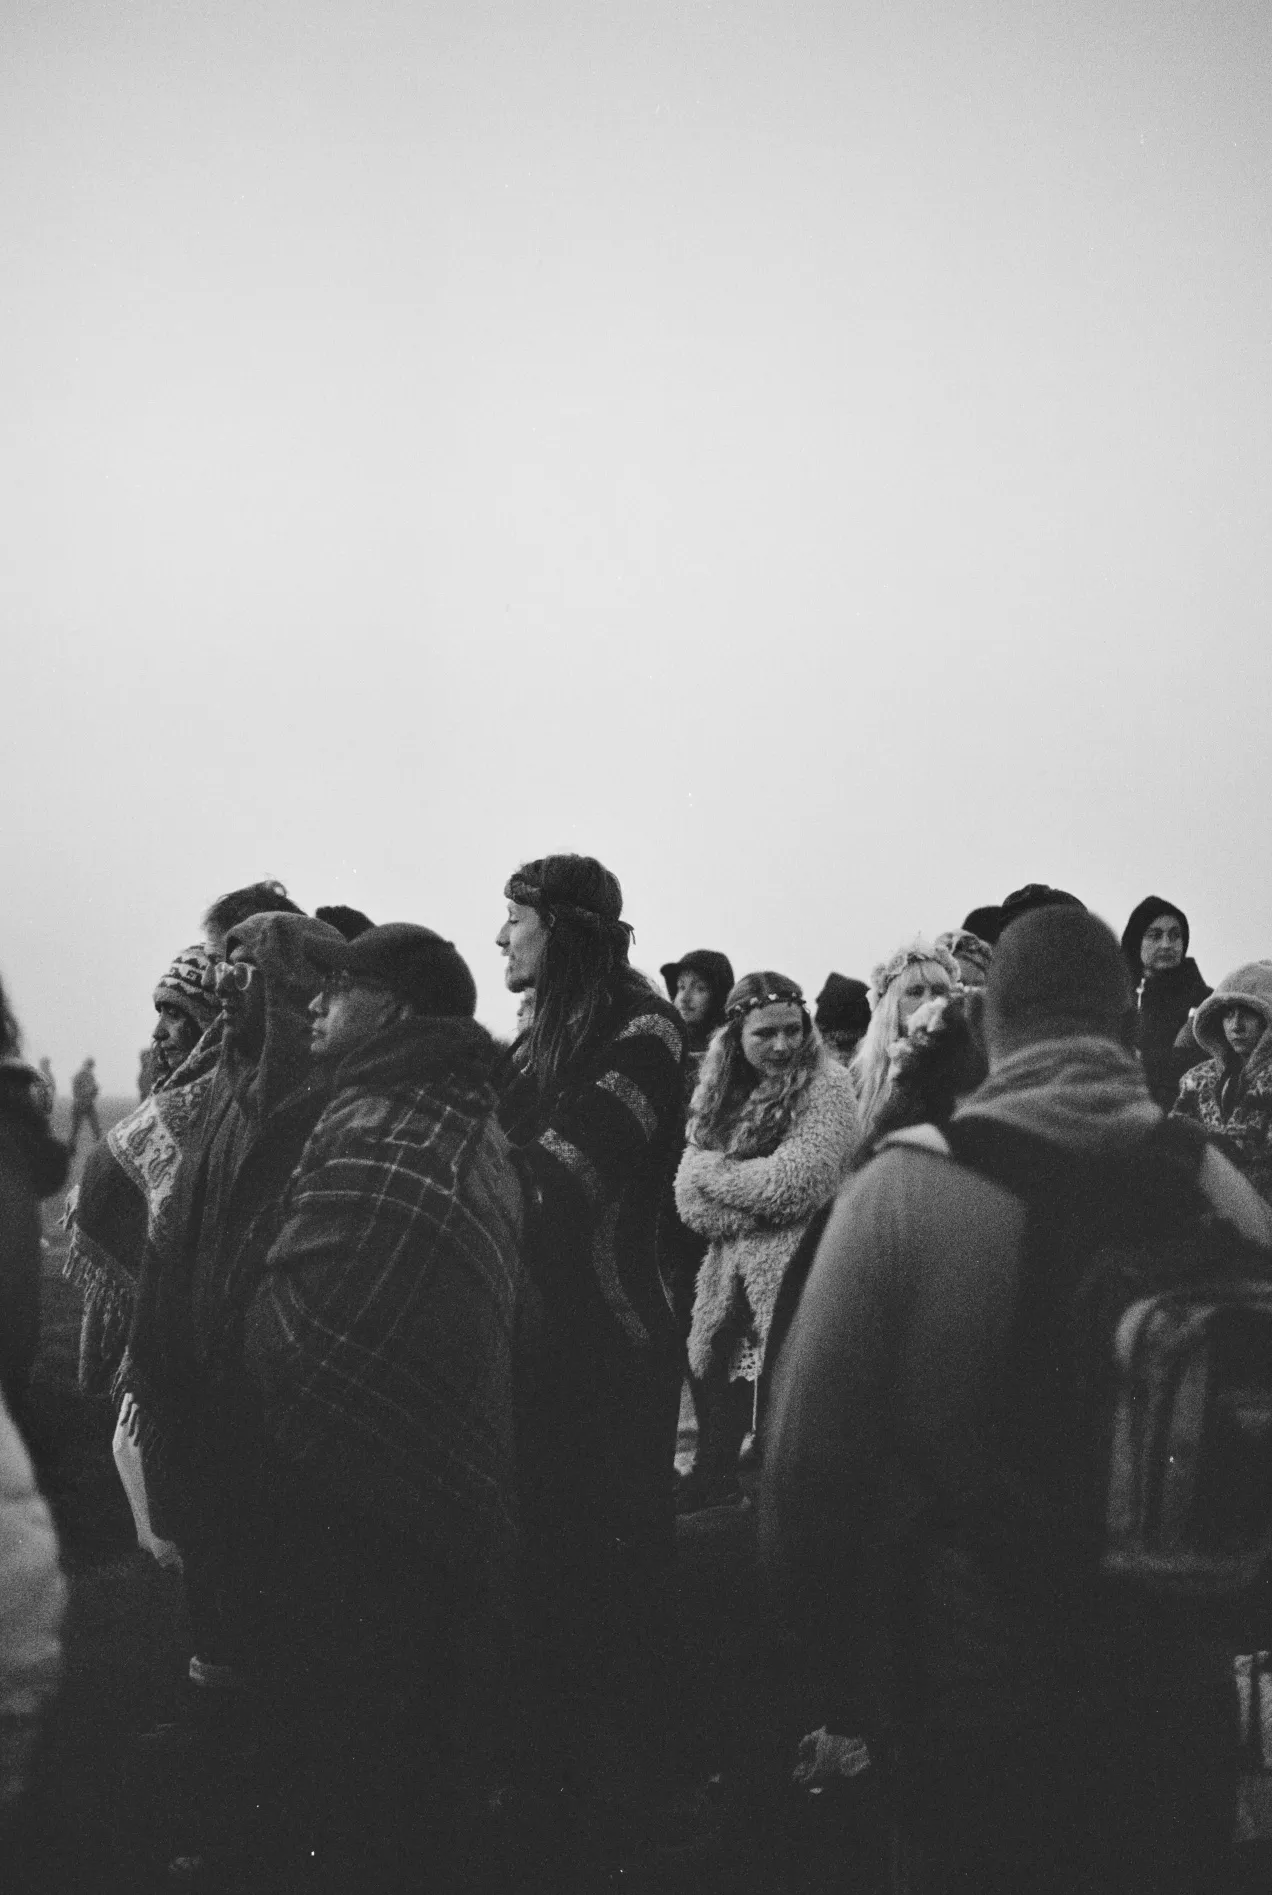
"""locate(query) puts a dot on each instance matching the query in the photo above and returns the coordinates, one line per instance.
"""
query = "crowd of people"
(399, 1320)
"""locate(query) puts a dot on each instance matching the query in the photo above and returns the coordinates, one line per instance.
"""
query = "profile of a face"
(693, 999)
(523, 941)
(345, 1014)
(1162, 945)
(174, 1036)
(923, 980)
(243, 1001)
(772, 1037)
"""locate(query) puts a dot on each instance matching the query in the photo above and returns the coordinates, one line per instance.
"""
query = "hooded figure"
(127, 1183)
(253, 1120)
(1168, 989)
(1230, 1095)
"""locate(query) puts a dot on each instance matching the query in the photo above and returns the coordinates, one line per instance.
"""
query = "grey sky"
(814, 457)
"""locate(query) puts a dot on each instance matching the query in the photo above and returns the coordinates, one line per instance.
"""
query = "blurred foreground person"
(46, 1097)
(1168, 989)
(84, 1095)
(594, 1105)
(376, 1378)
(32, 1605)
(927, 1509)
(32, 1166)
(772, 1128)
(1230, 1094)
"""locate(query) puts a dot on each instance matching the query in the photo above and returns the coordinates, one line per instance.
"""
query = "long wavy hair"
(870, 1065)
(738, 1111)
(585, 972)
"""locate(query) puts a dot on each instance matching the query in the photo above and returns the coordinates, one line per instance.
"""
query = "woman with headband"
(772, 1129)
(899, 986)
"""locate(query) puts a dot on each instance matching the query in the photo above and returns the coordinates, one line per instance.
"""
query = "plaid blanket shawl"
(378, 1322)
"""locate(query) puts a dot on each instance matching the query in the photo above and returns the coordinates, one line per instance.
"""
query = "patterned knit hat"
(182, 986)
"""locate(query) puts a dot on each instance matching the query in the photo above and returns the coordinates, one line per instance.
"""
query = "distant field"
(109, 1111)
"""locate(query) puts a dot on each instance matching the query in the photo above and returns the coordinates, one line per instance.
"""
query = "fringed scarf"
(124, 1197)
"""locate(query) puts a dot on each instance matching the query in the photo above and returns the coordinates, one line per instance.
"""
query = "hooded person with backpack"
(929, 1476)
(1230, 1094)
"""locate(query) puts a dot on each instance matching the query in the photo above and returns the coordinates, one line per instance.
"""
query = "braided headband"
(527, 896)
(790, 998)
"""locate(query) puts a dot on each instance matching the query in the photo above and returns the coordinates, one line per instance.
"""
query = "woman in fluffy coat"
(772, 1130)
(1230, 1095)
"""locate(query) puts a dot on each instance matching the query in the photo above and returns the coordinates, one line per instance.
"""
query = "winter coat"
(378, 1334)
(1234, 1103)
(754, 1211)
(1165, 1002)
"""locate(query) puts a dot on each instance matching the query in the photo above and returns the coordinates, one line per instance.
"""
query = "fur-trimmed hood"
(1248, 986)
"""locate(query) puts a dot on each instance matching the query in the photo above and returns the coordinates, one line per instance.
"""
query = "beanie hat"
(709, 965)
(182, 987)
(764, 989)
(1023, 901)
(1248, 986)
(916, 953)
(576, 889)
(1056, 971)
(1133, 934)
(985, 923)
(843, 1005)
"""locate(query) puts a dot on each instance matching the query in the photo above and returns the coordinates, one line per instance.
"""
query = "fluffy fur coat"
(755, 1210)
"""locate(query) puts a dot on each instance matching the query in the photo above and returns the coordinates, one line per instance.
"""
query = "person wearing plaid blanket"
(377, 1345)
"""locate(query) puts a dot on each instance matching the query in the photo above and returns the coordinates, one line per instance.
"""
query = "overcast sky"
(814, 457)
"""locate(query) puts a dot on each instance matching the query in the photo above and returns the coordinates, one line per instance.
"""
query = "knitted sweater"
(755, 1210)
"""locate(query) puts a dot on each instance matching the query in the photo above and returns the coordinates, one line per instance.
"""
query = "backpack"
(1143, 1331)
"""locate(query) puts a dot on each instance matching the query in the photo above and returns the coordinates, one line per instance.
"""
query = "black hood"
(1133, 933)
(45, 1157)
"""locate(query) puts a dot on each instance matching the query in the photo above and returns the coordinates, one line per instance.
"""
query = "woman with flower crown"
(918, 972)
(772, 1130)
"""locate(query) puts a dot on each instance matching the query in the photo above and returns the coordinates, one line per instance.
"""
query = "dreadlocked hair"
(736, 1111)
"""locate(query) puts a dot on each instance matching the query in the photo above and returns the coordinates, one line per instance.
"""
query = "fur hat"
(182, 987)
(1056, 971)
(965, 944)
(843, 1006)
(1133, 933)
(1248, 986)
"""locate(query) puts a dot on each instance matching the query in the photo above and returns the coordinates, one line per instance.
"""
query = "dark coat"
(32, 1166)
(1165, 1002)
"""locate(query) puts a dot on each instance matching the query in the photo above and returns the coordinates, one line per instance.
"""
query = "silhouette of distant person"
(84, 1091)
(44, 1091)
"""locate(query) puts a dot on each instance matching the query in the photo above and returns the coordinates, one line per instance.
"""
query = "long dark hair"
(585, 971)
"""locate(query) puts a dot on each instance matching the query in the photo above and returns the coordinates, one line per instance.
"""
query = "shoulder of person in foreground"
(912, 1234)
(32, 1605)
(1235, 1199)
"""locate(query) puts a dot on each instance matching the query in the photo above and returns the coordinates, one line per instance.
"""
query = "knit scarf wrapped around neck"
(1086, 1094)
